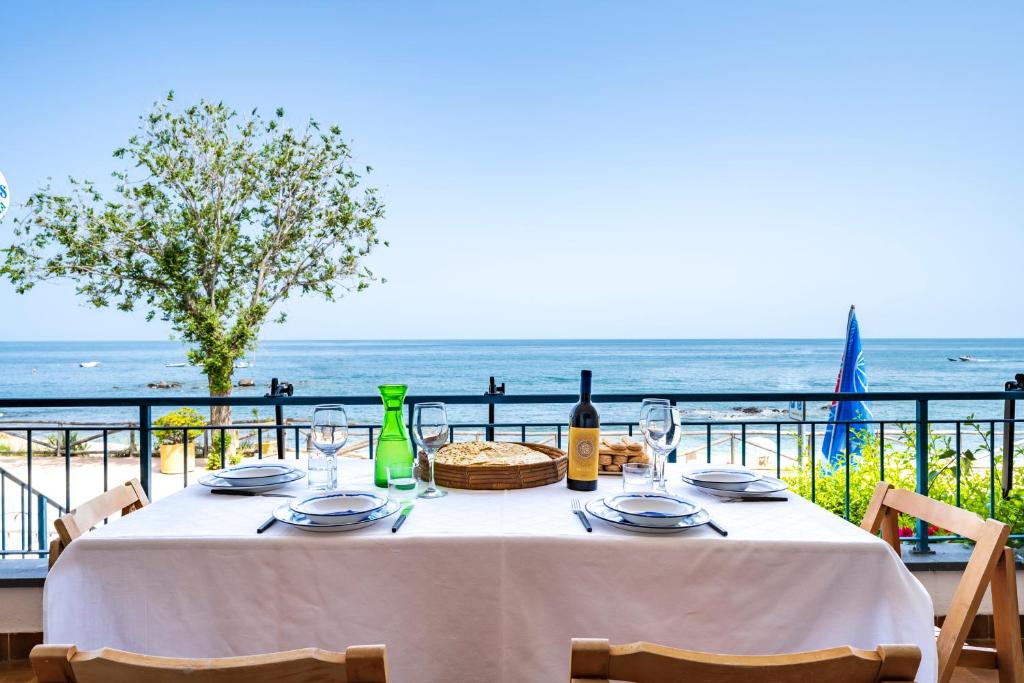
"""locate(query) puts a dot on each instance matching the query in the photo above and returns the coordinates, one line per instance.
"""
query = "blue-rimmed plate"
(285, 514)
(651, 509)
(215, 482)
(339, 506)
(765, 486)
(721, 478)
(598, 509)
(255, 474)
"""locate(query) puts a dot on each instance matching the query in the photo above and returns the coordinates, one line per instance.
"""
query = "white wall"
(21, 610)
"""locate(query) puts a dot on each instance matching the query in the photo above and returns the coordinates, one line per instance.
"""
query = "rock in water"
(162, 384)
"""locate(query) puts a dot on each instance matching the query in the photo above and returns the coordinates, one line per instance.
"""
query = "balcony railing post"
(921, 438)
(493, 389)
(146, 448)
(41, 530)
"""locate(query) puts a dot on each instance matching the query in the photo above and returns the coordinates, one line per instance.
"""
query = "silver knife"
(401, 518)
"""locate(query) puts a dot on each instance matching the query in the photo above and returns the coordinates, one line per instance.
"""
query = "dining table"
(481, 585)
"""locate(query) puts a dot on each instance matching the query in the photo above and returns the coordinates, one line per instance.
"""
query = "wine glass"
(646, 404)
(430, 429)
(328, 432)
(662, 432)
(645, 407)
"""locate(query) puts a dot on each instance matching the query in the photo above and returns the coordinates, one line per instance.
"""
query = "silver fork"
(578, 511)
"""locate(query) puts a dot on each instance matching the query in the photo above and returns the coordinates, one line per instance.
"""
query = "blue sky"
(584, 169)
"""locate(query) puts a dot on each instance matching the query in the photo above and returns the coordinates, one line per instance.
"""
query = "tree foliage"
(219, 218)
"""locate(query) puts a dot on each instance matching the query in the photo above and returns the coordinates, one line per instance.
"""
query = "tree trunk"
(218, 376)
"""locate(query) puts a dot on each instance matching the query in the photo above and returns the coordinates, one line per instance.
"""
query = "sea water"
(355, 368)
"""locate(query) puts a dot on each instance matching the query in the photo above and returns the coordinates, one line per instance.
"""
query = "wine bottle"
(584, 439)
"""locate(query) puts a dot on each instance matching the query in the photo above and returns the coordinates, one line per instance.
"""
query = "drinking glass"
(402, 484)
(328, 432)
(430, 429)
(645, 407)
(647, 404)
(662, 432)
(637, 476)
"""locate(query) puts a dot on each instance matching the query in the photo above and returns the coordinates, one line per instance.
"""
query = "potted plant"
(169, 430)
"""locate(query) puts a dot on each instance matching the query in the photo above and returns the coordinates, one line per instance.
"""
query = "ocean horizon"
(527, 366)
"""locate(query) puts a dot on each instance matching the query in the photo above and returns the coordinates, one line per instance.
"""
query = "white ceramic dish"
(765, 486)
(722, 478)
(339, 506)
(597, 509)
(215, 482)
(254, 474)
(286, 515)
(651, 509)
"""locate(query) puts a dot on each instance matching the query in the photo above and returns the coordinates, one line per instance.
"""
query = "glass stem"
(430, 467)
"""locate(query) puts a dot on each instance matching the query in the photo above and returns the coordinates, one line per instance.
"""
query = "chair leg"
(590, 659)
(1006, 620)
(52, 663)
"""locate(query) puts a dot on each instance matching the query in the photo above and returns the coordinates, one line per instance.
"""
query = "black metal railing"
(967, 436)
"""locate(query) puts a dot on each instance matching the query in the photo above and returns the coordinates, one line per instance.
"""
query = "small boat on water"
(242, 364)
(965, 359)
(175, 365)
(89, 364)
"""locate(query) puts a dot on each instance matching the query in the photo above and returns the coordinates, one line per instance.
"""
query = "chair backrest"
(123, 499)
(992, 564)
(595, 660)
(65, 664)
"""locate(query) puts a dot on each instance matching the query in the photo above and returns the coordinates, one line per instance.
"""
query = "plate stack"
(649, 513)
(336, 511)
(733, 482)
(257, 477)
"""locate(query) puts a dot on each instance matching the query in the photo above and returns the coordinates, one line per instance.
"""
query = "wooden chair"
(991, 564)
(595, 660)
(65, 664)
(123, 499)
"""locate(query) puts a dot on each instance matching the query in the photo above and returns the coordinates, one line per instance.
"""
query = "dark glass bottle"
(584, 440)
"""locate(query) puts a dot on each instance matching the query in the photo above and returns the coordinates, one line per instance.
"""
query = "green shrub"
(901, 472)
(182, 417)
(213, 456)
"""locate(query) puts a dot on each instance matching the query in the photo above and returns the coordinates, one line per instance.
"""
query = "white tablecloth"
(480, 586)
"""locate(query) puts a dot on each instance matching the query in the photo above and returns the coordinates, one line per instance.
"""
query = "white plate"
(724, 478)
(598, 509)
(255, 474)
(286, 515)
(651, 509)
(765, 486)
(215, 482)
(339, 506)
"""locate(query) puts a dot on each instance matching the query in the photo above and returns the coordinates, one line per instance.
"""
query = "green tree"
(228, 216)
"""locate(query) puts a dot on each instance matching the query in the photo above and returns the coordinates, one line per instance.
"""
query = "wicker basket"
(501, 477)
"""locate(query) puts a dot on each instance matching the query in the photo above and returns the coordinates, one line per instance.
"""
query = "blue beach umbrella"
(853, 378)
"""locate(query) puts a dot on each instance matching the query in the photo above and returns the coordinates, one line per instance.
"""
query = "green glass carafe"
(393, 446)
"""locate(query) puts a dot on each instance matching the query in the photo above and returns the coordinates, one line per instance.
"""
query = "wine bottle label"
(583, 453)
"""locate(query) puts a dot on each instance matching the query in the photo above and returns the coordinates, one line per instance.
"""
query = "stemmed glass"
(430, 429)
(328, 433)
(645, 406)
(662, 432)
